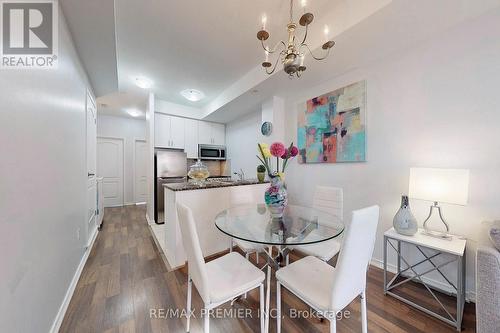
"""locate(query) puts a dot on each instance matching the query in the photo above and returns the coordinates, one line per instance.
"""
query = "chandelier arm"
(275, 65)
(305, 36)
(312, 54)
(266, 48)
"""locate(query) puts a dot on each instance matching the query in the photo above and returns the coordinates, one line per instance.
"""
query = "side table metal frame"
(459, 288)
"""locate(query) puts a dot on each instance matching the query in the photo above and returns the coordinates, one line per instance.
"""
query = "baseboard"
(150, 221)
(470, 296)
(56, 325)
(140, 203)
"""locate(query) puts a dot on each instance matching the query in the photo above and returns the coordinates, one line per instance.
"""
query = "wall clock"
(266, 128)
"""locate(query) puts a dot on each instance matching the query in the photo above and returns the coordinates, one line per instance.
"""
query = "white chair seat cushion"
(311, 279)
(231, 275)
(249, 246)
(323, 250)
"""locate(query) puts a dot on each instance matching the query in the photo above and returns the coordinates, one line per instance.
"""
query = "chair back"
(329, 200)
(191, 243)
(354, 257)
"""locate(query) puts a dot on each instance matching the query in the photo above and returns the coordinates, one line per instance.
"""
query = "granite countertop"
(187, 186)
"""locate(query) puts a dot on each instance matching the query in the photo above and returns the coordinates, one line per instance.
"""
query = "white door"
(91, 135)
(110, 167)
(177, 132)
(191, 138)
(218, 134)
(162, 131)
(140, 171)
(205, 133)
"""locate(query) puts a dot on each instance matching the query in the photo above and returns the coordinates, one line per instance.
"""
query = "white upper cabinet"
(177, 132)
(169, 131)
(211, 133)
(205, 133)
(219, 134)
(191, 138)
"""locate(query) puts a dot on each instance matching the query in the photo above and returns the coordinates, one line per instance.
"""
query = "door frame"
(134, 189)
(123, 163)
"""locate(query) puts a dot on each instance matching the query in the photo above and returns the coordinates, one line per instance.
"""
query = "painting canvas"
(331, 127)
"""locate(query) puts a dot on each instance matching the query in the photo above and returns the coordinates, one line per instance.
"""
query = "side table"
(455, 252)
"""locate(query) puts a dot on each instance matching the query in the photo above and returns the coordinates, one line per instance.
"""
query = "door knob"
(90, 174)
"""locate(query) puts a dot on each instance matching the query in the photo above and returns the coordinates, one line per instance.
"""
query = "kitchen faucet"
(241, 175)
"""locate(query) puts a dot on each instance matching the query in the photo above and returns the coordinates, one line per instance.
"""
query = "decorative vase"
(261, 176)
(276, 197)
(404, 222)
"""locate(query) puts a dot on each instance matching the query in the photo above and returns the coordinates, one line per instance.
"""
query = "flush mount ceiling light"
(292, 52)
(143, 82)
(134, 112)
(192, 95)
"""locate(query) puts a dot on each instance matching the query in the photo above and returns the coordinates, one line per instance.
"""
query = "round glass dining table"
(298, 226)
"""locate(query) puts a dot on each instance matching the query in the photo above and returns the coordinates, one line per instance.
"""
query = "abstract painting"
(331, 127)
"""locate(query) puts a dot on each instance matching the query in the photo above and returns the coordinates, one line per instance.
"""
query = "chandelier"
(292, 53)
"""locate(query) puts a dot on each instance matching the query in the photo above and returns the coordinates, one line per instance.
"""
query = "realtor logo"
(29, 34)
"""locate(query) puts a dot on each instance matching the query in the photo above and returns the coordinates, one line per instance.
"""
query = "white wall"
(436, 105)
(129, 130)
(43, 188)
(242, 136)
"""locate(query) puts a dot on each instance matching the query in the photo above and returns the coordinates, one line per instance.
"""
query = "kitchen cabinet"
(191, 138)
(219, 134)
(211, 133)
(169, 131)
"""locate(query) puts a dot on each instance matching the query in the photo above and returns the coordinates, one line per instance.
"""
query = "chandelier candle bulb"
(264, 21)
(326, 31)
(267, 56)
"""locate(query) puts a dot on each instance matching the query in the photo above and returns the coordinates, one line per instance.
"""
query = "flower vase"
(276, 197)
(404, 222)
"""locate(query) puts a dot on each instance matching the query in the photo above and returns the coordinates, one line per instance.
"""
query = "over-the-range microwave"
(211, 152)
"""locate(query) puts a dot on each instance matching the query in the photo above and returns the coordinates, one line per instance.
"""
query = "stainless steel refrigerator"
(170, 167)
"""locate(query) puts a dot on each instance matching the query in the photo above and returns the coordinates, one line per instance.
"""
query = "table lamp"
(439, 186)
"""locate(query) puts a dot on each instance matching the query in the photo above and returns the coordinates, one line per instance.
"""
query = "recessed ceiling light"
(134, 112)
(192, 95)
(143, 82)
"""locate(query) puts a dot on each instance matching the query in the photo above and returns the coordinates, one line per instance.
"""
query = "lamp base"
(433, 233)
(437, 234)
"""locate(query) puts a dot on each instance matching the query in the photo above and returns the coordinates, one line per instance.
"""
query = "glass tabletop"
(298, 226)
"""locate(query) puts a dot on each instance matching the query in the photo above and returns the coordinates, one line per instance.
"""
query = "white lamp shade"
(440, 185)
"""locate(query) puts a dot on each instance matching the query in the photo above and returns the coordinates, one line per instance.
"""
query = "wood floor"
(126, 287)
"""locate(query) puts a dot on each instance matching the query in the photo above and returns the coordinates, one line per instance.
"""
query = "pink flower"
(277, 149)
(285, 155)
(294, 151)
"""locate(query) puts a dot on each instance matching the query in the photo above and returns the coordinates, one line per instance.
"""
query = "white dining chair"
(329, 289)
(239, 197)
(220, 280)
(329, 200)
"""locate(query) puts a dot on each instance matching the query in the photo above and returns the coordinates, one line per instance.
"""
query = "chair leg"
(262, 310)
(287, 260)
(257, 257)
(188, 306)
(247, 256)
(230, 245)
(364, 319)
(278, 307)
(333, 324)
(206, 322)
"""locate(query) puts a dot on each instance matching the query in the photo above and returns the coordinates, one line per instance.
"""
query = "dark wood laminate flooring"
(125, 280)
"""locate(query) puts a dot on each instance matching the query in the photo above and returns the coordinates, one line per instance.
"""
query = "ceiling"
(211, 45)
